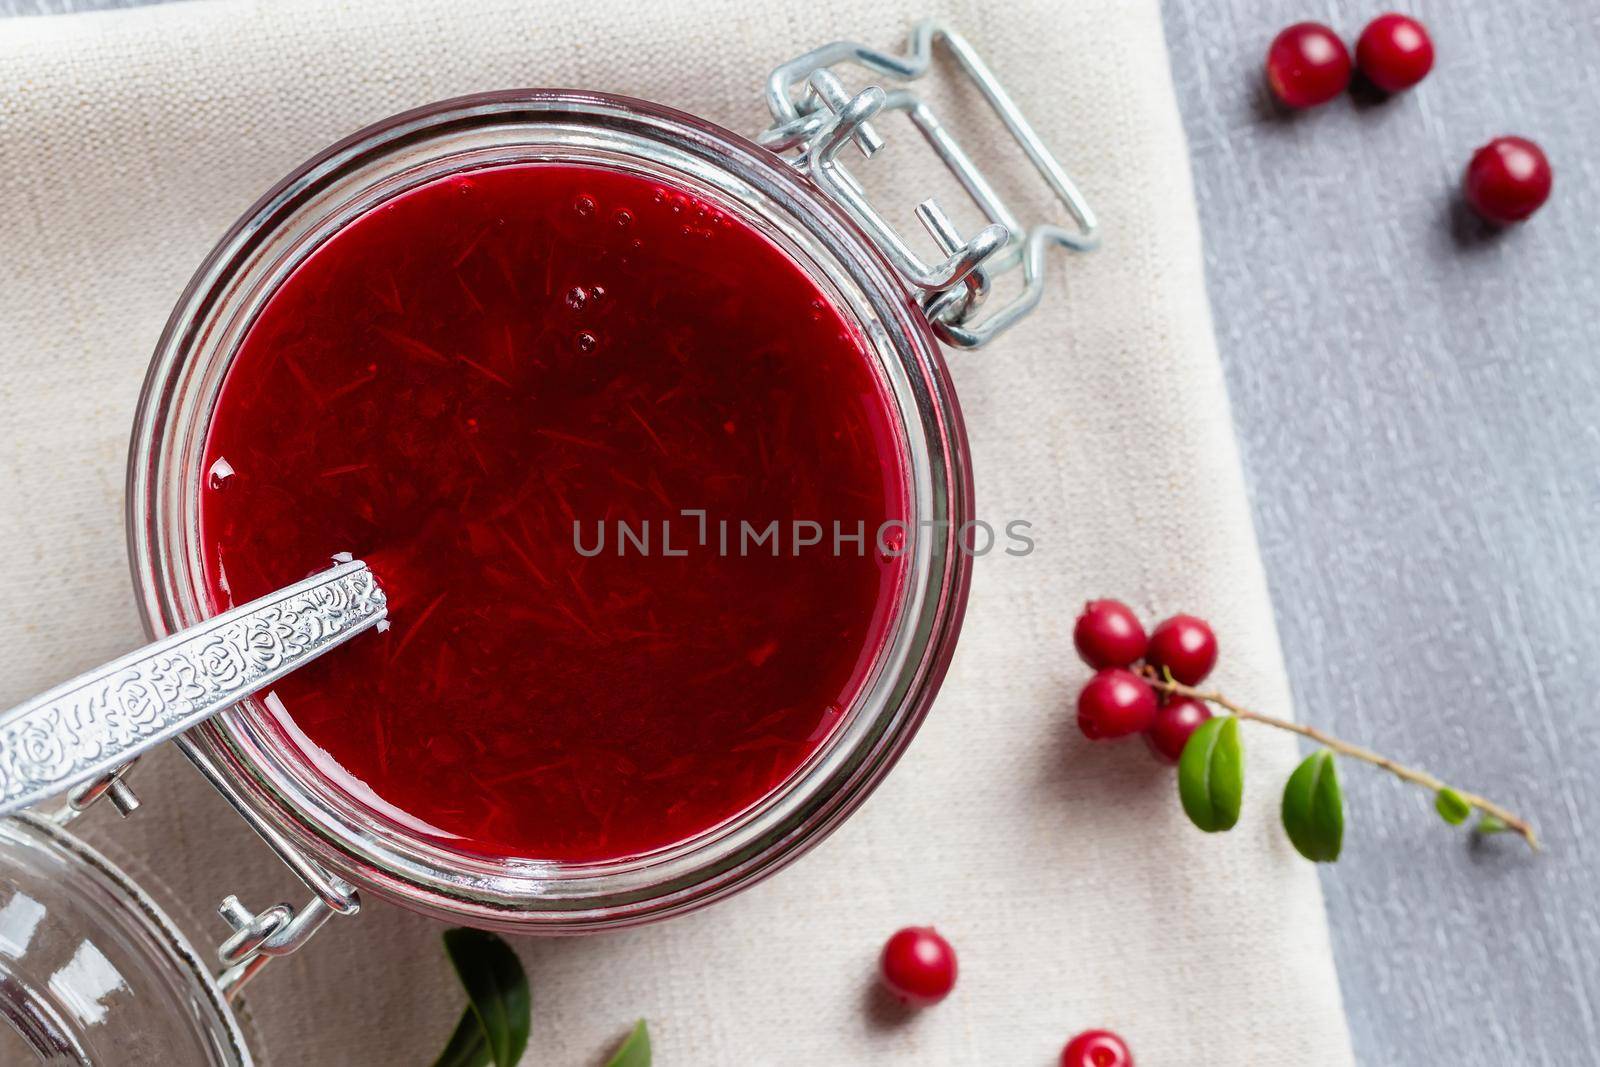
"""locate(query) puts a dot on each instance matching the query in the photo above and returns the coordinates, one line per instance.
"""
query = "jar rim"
(349, 177)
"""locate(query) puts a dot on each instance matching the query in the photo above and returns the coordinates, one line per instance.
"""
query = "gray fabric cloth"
(1064, 873)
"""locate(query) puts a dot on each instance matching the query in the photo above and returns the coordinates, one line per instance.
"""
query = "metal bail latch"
(279, 929)
(818, 121)
(257, 937)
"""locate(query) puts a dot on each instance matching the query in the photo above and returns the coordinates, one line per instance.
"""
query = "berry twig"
(1167, 684)
(1149, 684)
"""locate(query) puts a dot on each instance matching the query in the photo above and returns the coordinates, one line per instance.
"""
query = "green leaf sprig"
(1211, 775)
(1313, 808)
(493, 1028)
(1211, 780)
(635, 1051)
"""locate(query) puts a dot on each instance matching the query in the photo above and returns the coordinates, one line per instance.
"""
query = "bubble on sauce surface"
(220, 474)
(891, 543)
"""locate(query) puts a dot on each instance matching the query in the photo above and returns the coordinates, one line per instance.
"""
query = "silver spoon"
(80, 730)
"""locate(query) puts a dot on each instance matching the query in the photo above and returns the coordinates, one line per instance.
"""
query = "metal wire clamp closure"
(814, 117)
(96, 721)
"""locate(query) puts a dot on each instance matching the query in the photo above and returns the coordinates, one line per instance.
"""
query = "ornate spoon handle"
(100, 720)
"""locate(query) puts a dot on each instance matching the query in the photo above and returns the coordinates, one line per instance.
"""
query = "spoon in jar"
(82, 729)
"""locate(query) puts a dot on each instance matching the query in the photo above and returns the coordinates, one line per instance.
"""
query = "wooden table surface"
(1418, 404)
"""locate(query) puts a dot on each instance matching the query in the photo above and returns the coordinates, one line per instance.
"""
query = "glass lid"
(92, 971)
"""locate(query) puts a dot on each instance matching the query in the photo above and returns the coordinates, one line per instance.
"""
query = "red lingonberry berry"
(1185, 647)
(1307, 65)
(1394, 52)
(1507, 180)
(1175, 721)
(1108, 634)
(1115, 703)
(1096, 1048)
(918, 966)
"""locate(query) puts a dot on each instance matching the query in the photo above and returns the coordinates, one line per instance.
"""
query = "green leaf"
(635, 1051)
(1451, 806)
(467, 1047)
(497, 990)
(1211, 775)
(1491, 824)
(1313, 808)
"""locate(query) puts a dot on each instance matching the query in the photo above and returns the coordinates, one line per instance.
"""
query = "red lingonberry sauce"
(452, 381)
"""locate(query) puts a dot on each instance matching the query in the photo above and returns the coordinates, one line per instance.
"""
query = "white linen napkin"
(1065, 873)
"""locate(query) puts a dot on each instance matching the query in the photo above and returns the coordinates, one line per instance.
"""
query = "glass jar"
(92, 971)
(336, 830)
(791, 189)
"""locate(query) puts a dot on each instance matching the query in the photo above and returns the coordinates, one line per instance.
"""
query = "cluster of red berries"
(919, 967)
(1507, 180)
(1309, 65)
(1118, 702)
